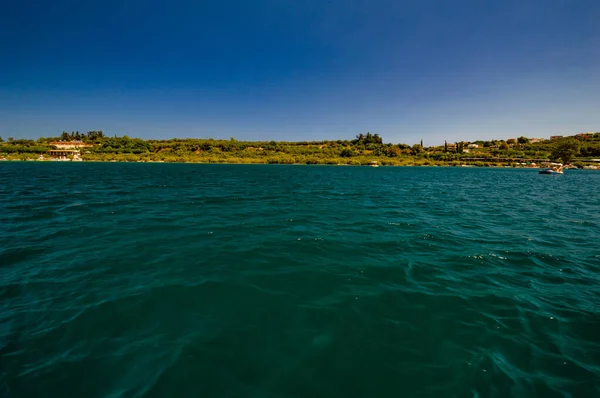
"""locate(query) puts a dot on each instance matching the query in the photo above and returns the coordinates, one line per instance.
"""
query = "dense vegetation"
(362, 150)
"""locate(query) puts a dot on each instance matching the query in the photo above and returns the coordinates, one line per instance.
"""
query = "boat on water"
(555, 168)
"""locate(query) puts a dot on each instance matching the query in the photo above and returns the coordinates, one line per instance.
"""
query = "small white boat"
(555, 168)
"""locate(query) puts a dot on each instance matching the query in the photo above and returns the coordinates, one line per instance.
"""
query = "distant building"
(584, 136)
(534, 140)
(556, 137)
(473, 146)
(70, 144)
(65, 154)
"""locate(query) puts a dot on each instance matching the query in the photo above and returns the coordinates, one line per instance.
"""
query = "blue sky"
(301, 70)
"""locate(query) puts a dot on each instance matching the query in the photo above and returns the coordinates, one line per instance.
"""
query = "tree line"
(363, 148)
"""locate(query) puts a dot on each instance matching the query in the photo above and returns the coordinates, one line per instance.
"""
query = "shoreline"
(293, 164)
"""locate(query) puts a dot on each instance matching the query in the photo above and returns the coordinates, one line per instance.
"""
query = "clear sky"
(300, 69)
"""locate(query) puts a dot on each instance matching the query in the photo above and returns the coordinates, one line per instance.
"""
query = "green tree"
(368, 139)
(504, 146)
(1, 140)
(511, 141)
(522, 140)
(93, 135)
(416, 149)
(392, 151)
(565, 150)
(346, 153)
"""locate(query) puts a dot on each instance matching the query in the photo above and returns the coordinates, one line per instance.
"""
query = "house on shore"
(67, 150)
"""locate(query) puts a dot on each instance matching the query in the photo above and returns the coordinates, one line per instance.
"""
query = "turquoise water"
(174, 280)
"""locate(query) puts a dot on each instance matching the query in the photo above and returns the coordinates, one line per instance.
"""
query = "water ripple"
(153, 280)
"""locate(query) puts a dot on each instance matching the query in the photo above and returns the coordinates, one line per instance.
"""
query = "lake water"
(175, 280)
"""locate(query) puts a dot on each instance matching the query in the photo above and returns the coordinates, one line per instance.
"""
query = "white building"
(70, 144)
